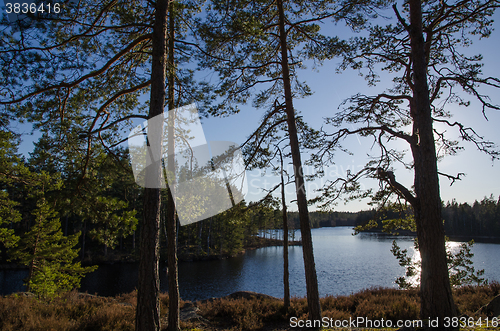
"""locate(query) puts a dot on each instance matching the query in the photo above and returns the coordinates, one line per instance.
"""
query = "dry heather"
(78, 312)
(72, 311)
(373, 304)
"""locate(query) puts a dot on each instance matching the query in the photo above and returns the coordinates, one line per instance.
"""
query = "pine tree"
(96, 204)
(43, 248)
(114, 221)
(82, 74)
(47, 253)
(11, 170)
(262, 43)
(422, 53)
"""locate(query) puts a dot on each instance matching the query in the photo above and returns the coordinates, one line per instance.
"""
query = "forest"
(90, 76)
(103, 223)
(101, 215)
(473, 221)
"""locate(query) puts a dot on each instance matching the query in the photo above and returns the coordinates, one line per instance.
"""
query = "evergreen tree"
(43, 248)
(262, 43)
(114, 220)
(83, 73)
(96, 204)
(11, 171)
(460, 266)
(423, 56)
(47, 252)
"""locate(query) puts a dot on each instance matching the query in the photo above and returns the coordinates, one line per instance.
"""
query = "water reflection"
(212, 278)
(344, 264)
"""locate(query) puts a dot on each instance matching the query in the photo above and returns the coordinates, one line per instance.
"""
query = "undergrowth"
(82, 312)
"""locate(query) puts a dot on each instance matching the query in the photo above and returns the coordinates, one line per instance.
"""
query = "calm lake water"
(344, 264)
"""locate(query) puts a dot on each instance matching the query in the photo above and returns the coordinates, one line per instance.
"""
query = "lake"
(344, 264)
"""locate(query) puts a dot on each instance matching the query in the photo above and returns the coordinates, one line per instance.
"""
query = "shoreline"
(257, 242)
(183, 256)
(458, 238)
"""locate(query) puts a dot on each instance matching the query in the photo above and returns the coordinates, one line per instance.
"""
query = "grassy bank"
(76, 311)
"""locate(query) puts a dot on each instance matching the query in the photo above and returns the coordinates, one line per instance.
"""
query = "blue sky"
(482, 175)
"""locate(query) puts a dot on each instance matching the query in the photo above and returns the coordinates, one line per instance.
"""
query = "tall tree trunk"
(173, 282)
(208, 236)
(84, 232)
(163, 224)
(34, 259)
(199, 240)
(305, 226)
(133, 241)
(435, 290)
(286, 283)
(105, 238)
(133, 233)
(148, 287)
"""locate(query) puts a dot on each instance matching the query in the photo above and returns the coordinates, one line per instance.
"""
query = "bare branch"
(263, 137)
(344, 132)
(86, 134)
(452, 178)
(469, 134)
(264, 121)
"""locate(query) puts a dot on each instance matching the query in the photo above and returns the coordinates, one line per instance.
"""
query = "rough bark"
(435, 290)
(305, 226)
(148, 287)
(286, 281)
(208, 236)
(84, 232)
(173, 282)
(34, 258)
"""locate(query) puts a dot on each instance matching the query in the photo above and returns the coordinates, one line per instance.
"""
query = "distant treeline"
(481, 219)
(224, 234)
(327, 219)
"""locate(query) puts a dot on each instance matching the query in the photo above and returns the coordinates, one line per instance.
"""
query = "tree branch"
(111, 100)
(400, 19)
(452, 178)
(85, 77)
(469, 134)
(400, 189)
(344, 132)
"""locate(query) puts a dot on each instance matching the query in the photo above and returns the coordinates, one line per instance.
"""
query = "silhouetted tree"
(252, 43)
(423, 55)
